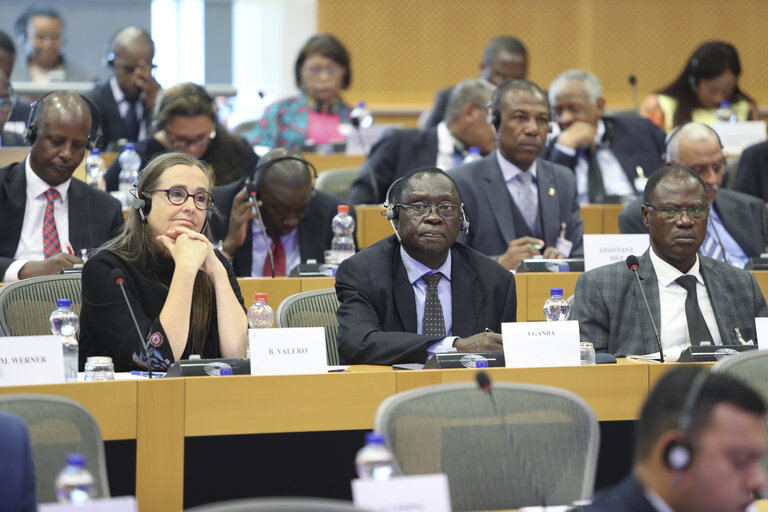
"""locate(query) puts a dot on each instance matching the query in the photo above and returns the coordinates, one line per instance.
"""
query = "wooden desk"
(372, 226)
(279, 288)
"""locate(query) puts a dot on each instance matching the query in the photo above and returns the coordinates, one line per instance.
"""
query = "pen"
(155, 375)
(69, 249)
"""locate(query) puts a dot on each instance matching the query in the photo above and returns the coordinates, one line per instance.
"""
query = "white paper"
(288, 350)
(735, 137)
(28, 360)
(602, 250)
(761, 326)
(536, 344)
(416, 493)
(121, 504)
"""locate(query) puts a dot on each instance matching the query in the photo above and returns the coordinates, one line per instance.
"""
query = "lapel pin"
(551, 191)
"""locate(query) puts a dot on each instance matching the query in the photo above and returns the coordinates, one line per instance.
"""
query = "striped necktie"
(51, 246)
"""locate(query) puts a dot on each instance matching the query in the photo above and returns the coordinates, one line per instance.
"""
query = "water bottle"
(260, 316)
(374, 461)
(473, 155)
(361, 117)
(94, 169)
(74, 484)
(342, 244)
(725, 113)
(556, 307)
(130, 161)
(64, 323)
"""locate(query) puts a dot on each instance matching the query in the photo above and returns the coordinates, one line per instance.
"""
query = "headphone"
(253, 184)
(671, 135)
(678, 454)
(94, 135)
(144, 204)
(392, 213)
(692, 68)
(494, 104)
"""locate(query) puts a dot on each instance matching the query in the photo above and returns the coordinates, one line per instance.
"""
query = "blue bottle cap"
(64, 303)
(76, 459)
(374, 438)
(474, 151)
(563, 267)
(556, 291)
(131, 146)
(95, 151)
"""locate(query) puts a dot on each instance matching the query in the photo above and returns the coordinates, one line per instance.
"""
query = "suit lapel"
(498, 197)
(650, 285)
(310, 234)
(244, 254)
(78, 216)
(14, 194)
(713, 280)
(464, 308)
(402, 292)
(548, 200)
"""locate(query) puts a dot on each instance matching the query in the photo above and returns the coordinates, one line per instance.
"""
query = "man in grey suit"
(738, 223)
(520, 206)
(608, 303)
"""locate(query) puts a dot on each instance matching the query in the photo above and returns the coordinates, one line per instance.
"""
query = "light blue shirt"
(259, 250)
(520, 193)
(733, 251)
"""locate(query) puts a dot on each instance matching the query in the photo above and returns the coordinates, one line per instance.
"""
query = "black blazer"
(627, 496)
(315, 232)
(395, 154)
(112, 128)
(752, 174)
(377, 316)
(439, 108)
(94, 216)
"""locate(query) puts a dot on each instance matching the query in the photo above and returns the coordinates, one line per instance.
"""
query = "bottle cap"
(95, 151)
(260, 297)
(725, 104)
(374, 438)
(130, 145)
(360, 104)
(556, 291)
(343, 208)
(474, 151)
(64, 303)
(76, 459)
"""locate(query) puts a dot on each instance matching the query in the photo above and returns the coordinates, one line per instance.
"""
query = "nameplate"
(121, 504)
(761, 332)
(31, 360)
(536, 344)
(602, 250)
(289, 350)
(417, 493)
(736, 137)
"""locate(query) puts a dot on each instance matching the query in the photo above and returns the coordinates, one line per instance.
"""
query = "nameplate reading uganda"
(31, 360)
(602, 250)
(288, 350)
(416, 493)
(535, 344)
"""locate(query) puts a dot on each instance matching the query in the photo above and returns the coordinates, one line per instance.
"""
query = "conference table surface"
(159, 414)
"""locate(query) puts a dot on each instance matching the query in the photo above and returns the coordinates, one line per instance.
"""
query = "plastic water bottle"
(725, 113)
(343, 243)
(75, 483)
(94, 169)
(130, 161)
(556, 307)
(473, 155)
(374, 461)
(361, 117)
(260, 314)
(64, 323)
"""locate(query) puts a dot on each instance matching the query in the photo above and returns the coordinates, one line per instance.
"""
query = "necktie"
(697, 327)
(594, 177)
(711, 246)
(51, 246)
(131, 123)
(527, 205)
(434, 323)
(278, 253)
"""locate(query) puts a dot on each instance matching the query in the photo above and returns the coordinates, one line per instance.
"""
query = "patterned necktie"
(433, 323)
(527, 205)
(51, 246)
(278, 253)
(697, 327)
(711, 246)
(131, 123)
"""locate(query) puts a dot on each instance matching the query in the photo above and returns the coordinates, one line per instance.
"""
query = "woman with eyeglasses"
(322, 71)
(184, 294)
(186, 121)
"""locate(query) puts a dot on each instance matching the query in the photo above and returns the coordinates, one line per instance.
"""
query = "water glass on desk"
(587, 352)
(99, 368)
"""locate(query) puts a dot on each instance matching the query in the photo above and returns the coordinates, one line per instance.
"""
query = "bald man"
(127, 99)
(49, 216)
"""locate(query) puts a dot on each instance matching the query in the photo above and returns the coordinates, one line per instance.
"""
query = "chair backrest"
(519, 445)
(315, 308)
(278, 505)
(26, 305)
(337, 182)
(58, 426)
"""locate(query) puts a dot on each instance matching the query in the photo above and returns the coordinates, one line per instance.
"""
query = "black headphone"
(678, 454)
(30, 135)
(392, 213)
(144, 204)
(671, 135)
(494, 104)
(252, 184)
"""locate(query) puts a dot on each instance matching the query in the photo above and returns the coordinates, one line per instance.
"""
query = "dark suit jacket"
(13, 139)
(94, 215)
(627, 496)
(487, 203)
(751, 177)
(394, 155)
(315, 232)
(439, 108)
(111, 123)
(17, 473)
(611, 314)
(744, 217)
(635, 141)
(377, 316)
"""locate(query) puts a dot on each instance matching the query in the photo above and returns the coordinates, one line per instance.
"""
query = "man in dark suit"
(699, 442)
(399, 151)
(297, 218)
(17, 469)
(611, 156)
(7, 103)
(17, 121)
(752, 175)
(48, 215)
(520, 206)
(608, 303)
(420, 292)
(127, 99)
(504, 58)
(738, 223)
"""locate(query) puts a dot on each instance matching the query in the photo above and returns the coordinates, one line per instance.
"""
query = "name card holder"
(26, 360)
(538, 344)
(602, 250)
(421, 493)
(288, 351)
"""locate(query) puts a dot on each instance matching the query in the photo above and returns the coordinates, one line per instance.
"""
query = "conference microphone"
(118, 278)
(633, 86)
(252, 193)
(483, 381)
(633, 264)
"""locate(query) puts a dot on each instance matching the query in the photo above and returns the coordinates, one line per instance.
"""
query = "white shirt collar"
(446, 143)
(416, 269)
(36, 187)
(510, 170)
(600, 132)
(666, 273)
(117, 92)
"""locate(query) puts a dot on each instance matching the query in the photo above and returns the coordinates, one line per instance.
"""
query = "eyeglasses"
(315, 71)
(445, 210)
(44, 38)
(198, 142)
(672, 214)
(179, 195)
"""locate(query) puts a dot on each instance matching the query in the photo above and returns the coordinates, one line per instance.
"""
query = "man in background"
(7, 103)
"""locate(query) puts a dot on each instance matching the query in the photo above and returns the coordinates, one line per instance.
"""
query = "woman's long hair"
(137, 246)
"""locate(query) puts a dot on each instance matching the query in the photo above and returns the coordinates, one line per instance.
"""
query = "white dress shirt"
(446, 148)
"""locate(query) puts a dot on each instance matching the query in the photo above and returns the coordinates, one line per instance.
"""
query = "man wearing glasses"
(420, 292)
(738, 223)
(127, 99)
(7, 102)
(693, 299)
